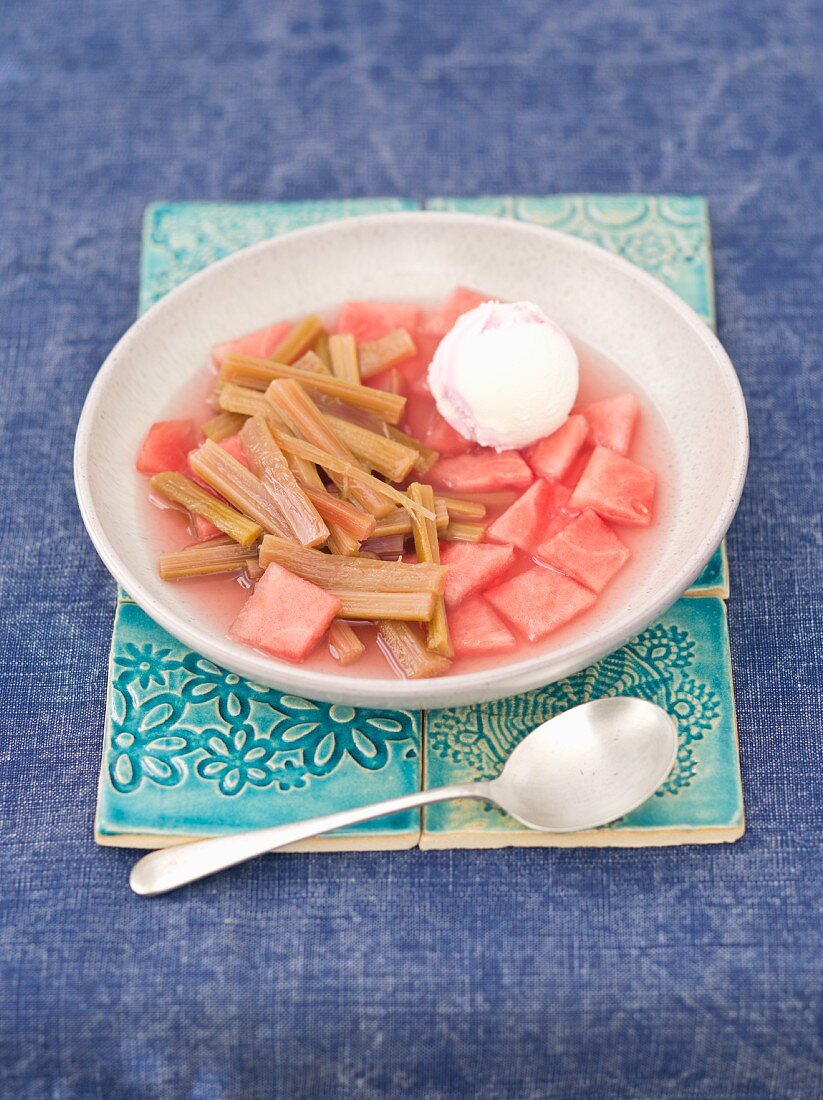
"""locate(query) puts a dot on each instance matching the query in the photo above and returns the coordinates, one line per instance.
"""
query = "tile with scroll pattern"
(192, 750)
(681, 662)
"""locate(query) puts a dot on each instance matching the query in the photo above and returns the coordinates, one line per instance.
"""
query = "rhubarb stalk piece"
(428, 550)
(183, 491)
(269, 464)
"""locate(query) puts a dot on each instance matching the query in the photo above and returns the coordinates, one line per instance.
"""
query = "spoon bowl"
(588, 766)
(584, 768)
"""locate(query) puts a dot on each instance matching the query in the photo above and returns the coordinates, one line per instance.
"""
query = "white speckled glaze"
(599, 297)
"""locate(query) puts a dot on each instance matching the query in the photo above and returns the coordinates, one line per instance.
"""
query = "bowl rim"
(461, 688)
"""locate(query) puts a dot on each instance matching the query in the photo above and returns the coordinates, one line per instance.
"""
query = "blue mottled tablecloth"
(582, 973)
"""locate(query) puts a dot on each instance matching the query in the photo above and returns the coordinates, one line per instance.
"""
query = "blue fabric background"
(671, 973)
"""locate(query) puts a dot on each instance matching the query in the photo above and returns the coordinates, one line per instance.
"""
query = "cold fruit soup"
(311, 498)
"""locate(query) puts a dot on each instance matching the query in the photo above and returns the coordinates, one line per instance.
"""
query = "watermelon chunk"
(460, 301)
(552, 456)
(472, 566)
(416, 369)
(475, 628)
(525, 523)
(372, 320)
(285, 615)
(204, 528)
(233, 445)
(587, 550)
(539, 601)
(483, 471)
(167, 445)
(617, 488)
(575, 471)
(442, 437)
(260, 343)
(612, 421)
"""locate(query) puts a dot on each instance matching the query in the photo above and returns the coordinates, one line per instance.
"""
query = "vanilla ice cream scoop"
(505, 375)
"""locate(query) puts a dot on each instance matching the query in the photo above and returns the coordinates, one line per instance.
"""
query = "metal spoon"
(582, 769)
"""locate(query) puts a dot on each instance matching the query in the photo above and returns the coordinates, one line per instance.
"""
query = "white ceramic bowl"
(600, 298)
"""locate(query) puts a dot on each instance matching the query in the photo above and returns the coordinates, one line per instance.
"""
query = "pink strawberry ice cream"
(505, 375)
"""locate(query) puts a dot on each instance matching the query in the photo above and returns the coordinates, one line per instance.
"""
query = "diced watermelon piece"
(525, 523)
(417, 415)
(205, 528)
(442, 437)
(371, 320)
(285, 615)
(233, 445)
(460, 301)
(611, 421)
(390, 381)
(617, 488)
(167, 445)
(539, 601)
(416, 369)
(472, 566)
(575, 471)
(260, 343)
(551, 457)
(587, 550)
(475, 628)
(483, 471)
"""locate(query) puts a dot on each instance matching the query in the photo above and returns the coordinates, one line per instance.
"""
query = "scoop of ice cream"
(505, 375)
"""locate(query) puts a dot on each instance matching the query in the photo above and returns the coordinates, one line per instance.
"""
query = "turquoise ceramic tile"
(181, 238)
(667, 235)
(268, 758)
(681, 662)
(714, 580)
(193, 750)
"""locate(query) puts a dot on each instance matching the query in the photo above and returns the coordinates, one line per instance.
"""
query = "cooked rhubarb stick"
(344, 644)
(426, 457)
(379, 355)
(344, 361)
(252, 570)
(501, 498)
(321, 348)
(399, 521)
(385, 547)
(181, 490)
(223, 425)
(342, 514)
(355, 574)
(464, 509)
(391, 459)
(341, 542)
(299, 340)
(311, 361)
(269, 464)
(239, 486)
(428, 550)
(407, 607)
(294, 446)
(256, 374)
(408, 653)
(463, 532)
(304, 418)
(242, 400)
(214, 556)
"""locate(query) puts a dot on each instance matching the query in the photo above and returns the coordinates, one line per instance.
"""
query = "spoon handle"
(169, 868)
